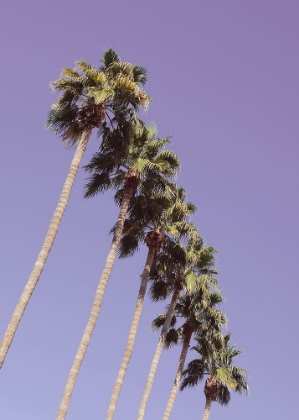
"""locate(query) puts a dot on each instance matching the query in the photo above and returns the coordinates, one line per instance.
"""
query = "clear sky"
(224, 79)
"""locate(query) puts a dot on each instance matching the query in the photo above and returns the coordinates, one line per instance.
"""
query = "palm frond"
(224, 375)
(109, 57)
(159, 290)
(195, 372)
(223, 395)
(140, 75)
(172, 338)
(97, 183)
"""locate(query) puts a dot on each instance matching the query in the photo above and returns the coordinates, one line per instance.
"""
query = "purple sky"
(224, 79)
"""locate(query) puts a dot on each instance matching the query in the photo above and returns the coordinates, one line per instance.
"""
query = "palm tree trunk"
(157, 355)
(96, 306)
(206, 413)
(132, 334)
(178, 376)
(46, 248)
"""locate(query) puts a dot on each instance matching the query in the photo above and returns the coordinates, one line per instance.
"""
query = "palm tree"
(154, 220)
(141, 166)
(201, 318)
(88, 97)
(177, 275)
(222, 376)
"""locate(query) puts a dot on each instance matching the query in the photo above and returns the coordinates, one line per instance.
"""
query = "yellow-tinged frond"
(125, 83)
(70, 73)
(140, 164)
(124, 68)
(226, 378)
(191, 281)
(100, 95)
(96, 76)
(83, 65)
(92, 73)
(173, 231)
(100, 77)
(144, 100)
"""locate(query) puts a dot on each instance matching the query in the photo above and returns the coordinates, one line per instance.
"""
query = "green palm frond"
(191, 208)
(158, 322)
(194, 373)
(140, 75)
(168, 161)
(186, 229)
(60, 118)
(206, 279)
(180, 208)
(154, 146)
(66, 99)
(242, 385)
(72, 135)
(215, 316)
(172, 338)
(159, 290)
(128, 246)
(109, 57)
(97, 183)
(62, 121)
(223, 394)
(102, 162)
(216, 298)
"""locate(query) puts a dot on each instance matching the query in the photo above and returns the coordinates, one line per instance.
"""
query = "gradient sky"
(224, 79)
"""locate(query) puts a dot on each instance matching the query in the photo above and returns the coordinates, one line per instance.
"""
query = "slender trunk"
(96, 306)
(157, 355)
(46, 248)
(132, 335)
(206, 413)
(178, 377)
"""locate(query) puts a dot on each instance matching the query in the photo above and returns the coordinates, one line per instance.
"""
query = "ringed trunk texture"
(46, 248)
(96, 306)
(206, 413)
(132, 334)
(178, 376)
(157, 355)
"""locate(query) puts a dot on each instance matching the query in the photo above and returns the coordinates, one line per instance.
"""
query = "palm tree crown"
(146, 161)
(91, 97)
(216, 363)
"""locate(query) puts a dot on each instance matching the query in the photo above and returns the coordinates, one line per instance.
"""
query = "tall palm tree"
(222, 376)
(201, 318)
(153, 220)
(140, 166)
(198, 264)
(88, 97)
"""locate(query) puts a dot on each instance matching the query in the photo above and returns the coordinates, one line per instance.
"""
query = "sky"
(223, 76)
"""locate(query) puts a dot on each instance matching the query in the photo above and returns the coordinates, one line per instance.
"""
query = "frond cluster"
(115, 84)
